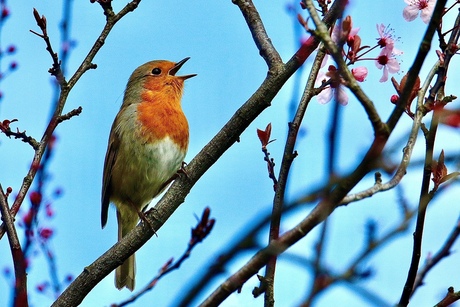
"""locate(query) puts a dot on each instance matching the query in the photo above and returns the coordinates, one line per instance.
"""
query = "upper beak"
(176, 67)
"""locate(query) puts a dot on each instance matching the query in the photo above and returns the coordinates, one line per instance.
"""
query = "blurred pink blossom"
(45, 233)
(326, 95)
(333, 89)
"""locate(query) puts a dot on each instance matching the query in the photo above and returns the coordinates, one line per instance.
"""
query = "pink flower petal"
(381, 29)
(393, 66)
(325, 96)
(397, 51)
(379, 66)
(427, 12)
(410, 12)
(354, 31)
(385, 75)
(342, 96)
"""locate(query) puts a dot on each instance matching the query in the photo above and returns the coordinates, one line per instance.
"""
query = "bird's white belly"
(147, 169)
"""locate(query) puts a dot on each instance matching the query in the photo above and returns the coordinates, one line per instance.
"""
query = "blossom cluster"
(344, 34)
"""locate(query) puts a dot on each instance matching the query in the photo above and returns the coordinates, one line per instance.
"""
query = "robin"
(147, 145)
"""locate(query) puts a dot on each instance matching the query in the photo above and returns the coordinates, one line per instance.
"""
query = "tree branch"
(176, 194)
(259, 34)
(325, 207)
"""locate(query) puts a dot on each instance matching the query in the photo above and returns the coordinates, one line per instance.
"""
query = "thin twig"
(450, 298)
(55, 70)
(407, 151)
(65, 90)
(308, 94)
(69, 115)
(264, 137)
(199, 233)
(20, 284)
(288, 158)
(5, 128)
(443, 252)
(425, 195)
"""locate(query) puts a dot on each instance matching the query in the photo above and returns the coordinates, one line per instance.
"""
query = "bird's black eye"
(156, 71)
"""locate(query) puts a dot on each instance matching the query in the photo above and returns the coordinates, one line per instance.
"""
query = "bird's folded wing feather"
(110, 157)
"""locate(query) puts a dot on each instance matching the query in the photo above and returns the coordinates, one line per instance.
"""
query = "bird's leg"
(143, 218)
(180, 171)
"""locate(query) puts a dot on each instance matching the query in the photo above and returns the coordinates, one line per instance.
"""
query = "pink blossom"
(386, 61)
(11, 49)
(426, 7)
(386, 39)
(5, 13)
(35, 198)
(327, 93)
(337, 32)
(333, 89)
(360, 73)
(42, 287)
(27, 218)
(49, 210)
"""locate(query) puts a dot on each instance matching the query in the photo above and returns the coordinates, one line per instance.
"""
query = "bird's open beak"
(176, 67)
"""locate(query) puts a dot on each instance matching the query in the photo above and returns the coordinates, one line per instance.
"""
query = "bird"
(147, 145)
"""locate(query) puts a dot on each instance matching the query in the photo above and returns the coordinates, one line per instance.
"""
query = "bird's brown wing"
(110, 157)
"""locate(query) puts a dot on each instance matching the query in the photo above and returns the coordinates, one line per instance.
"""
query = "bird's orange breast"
(160, 115)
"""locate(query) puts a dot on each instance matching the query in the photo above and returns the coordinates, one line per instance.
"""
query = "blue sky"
(236, 188)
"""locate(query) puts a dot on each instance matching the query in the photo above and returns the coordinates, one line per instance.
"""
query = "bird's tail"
(125, 273)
